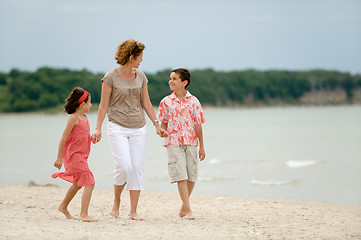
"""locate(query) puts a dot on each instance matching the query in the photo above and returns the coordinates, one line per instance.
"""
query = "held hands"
(161, 132)
(58, 163)
(97, 136)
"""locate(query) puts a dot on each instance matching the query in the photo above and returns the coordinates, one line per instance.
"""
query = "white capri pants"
(128, 146)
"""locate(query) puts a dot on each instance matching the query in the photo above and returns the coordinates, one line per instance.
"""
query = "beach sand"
(30, 212)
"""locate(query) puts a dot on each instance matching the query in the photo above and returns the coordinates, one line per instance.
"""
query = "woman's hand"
(161, 132)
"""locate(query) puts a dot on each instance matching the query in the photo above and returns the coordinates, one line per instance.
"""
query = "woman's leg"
(118, 189)
(119, 145)
(68, 197)
(137, 145)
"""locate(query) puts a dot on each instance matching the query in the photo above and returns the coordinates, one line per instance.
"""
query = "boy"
(181, 115)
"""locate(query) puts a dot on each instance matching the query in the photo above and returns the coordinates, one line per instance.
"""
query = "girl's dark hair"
(72, 101)
(183, 74)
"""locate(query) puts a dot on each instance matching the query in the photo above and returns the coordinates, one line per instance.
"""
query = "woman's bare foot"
(134, 216)
(65, 212)
(87, 219)
(115, 209)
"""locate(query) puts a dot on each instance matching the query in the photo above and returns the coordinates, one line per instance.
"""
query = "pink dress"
(75, 156)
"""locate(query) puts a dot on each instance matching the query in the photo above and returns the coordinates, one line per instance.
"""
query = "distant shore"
(30, 212)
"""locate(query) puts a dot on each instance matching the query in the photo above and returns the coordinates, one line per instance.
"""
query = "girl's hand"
(94, 139)
(58, 163)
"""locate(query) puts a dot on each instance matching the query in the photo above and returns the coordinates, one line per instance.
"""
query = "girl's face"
(136, 61)
(175, 82)
(87, 105)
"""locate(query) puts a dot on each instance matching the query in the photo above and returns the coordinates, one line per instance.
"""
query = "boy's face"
(175, 83)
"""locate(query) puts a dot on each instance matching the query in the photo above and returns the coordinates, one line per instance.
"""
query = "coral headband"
(83, 97)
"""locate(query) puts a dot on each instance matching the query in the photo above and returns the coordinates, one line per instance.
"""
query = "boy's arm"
(199, 133)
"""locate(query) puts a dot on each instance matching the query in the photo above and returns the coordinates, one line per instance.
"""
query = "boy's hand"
(202, 154)
(58, 163)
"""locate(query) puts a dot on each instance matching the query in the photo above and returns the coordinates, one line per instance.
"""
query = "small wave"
(212, 179)
(300, 163)
(273, 183)
(214, 161)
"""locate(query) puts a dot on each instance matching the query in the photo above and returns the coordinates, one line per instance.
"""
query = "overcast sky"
(223, 35)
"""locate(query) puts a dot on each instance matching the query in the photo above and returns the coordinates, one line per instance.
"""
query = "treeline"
(22, 91)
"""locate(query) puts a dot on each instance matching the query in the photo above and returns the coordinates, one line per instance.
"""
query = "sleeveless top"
(75, 156)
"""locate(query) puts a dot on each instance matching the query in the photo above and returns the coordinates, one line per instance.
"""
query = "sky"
(225, 35)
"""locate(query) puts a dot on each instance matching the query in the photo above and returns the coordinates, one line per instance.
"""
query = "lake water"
(306, 153)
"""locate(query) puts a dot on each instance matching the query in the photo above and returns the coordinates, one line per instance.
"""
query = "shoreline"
(30, 212)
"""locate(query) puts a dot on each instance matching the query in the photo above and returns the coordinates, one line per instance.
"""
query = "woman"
(124, 98)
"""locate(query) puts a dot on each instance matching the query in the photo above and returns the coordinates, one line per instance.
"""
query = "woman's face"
(136, 61)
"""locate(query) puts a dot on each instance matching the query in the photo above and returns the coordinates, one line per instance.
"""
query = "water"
(301, 153)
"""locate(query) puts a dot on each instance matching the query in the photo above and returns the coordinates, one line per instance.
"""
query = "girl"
(74, 149)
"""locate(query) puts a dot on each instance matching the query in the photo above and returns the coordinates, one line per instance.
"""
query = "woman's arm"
(103, 107)
(148, 107)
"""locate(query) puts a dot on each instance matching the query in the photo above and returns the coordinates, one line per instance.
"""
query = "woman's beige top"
(125, 103)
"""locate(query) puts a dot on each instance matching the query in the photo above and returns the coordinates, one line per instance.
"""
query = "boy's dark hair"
(72, 101)
(183, 74)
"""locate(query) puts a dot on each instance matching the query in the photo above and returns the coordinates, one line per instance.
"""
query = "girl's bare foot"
(65, 212)
(87, 219)
(134, 216)
(115, 209)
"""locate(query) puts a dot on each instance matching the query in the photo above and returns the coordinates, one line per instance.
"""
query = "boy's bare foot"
(65, 212)
(115, 209)
(134, 216)
(182, 212)
(88, 219)
(189, 216)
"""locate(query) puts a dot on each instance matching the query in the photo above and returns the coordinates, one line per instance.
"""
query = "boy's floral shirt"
(181, 116)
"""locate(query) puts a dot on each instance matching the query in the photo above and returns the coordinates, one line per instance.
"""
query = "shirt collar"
(188, 94)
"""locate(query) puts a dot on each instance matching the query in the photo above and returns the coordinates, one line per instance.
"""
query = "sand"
(30, 212)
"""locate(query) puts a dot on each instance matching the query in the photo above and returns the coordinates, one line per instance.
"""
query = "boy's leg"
(68, 197)
(190, 186)
(184, 194)
(85, 205)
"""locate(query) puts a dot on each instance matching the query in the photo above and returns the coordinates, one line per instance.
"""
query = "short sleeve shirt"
(125, 103)
(181, 117)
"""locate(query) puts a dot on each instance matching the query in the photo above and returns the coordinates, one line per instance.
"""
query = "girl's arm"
(148, 107)
(199, 133)
(103, 107)
(72, 121)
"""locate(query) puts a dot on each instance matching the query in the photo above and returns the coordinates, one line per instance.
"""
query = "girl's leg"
(184, 194)
(118, 189)
(85, 200)
(68, 197)
(134, 198)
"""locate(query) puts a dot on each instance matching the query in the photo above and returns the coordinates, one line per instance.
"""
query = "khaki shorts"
(182, 163)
